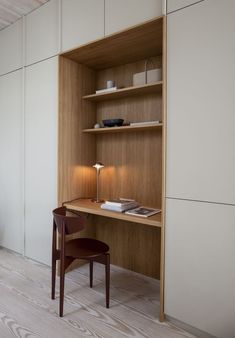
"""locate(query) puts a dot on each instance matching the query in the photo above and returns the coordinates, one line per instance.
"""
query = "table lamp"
(98, 166)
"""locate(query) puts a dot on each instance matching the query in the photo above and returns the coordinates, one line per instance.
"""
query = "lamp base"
(94, 200)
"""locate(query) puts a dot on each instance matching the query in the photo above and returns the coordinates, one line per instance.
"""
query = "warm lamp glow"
(98, 166)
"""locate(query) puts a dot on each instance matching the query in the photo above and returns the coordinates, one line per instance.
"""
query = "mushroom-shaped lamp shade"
(98, 165)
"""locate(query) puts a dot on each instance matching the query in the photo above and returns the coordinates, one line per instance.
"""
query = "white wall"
(122, 13)
(41, 106)
(85, 21)
(200, 269)
(11, 152)
(82, 21)
(11, 47)
(200, 222)
(201, 95)
(42, 32)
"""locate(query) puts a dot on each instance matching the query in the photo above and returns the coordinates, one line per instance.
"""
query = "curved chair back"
(71, 224)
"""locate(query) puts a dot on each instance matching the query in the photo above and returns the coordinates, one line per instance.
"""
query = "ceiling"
(12, 10)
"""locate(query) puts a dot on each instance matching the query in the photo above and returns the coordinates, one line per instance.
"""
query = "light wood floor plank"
(144, 297)
(26, 309)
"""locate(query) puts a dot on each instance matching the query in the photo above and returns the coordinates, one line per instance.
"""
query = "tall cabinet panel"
(200, 270)
(125, 13)
(11, 205)
(201, 91)
(42, 32)
(11, 50)
(41, 97)
(82, 22)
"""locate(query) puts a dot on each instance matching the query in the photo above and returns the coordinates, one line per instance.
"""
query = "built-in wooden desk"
(87, 206)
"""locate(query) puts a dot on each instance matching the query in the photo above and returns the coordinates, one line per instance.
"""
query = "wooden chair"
(69, 250)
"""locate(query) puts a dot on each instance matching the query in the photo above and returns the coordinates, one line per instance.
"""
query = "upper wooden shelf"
(85, 205)
(123, 129)
(137, 43)
(125, 92)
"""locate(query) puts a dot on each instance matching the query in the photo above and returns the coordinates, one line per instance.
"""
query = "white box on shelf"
(153, 75)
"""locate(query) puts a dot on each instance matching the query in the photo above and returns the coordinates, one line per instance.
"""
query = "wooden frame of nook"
(134, 157)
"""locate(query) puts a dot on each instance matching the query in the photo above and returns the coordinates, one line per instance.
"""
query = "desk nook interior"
(133, 155)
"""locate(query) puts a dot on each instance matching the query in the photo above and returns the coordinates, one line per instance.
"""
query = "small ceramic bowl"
(113, 122)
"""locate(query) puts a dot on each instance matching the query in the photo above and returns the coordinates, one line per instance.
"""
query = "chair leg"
(53, 265)
(53, 277)
(62, 273)
(107, 278)
(91, 274)
(62, 268)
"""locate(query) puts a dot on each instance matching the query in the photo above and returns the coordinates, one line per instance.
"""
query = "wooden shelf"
(125, 92)
(85, 205)
(123, 129)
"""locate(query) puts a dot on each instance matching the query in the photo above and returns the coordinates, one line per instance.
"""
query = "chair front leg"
(53, 278)
(62, 273)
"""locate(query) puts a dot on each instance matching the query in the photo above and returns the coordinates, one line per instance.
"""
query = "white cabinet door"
(11, 48)
(125, 13)
(42, 32)
(11, 163)
(174, 5)
(82, 22)
(41, 96)
(199, 267)
(201, 92)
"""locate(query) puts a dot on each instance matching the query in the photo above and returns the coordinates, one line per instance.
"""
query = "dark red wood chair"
(79, 248)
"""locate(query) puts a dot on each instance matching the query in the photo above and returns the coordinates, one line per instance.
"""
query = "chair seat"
(85, 248)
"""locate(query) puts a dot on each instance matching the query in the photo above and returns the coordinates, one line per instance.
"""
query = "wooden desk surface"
(85, 205)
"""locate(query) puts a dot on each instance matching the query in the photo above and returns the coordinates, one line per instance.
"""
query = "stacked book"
(106, 90)
(145, 123)
(119, 205)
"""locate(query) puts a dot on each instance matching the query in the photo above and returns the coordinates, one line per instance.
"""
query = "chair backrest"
(72, 224)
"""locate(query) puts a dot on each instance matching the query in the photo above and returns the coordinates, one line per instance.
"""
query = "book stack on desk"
(119, 205)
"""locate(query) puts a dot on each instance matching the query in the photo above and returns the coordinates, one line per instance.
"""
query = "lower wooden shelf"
(87, 206)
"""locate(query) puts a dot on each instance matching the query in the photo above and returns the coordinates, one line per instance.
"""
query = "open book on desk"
(142, 212)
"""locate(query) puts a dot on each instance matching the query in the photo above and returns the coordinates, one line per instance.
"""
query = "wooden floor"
(26, 309)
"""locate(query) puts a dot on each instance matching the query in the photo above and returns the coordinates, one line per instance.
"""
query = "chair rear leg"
(107, 278)
(91, 274)
(53, 265)
(62, 269)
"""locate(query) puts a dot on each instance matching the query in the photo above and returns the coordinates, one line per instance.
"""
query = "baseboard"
(193, 330)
